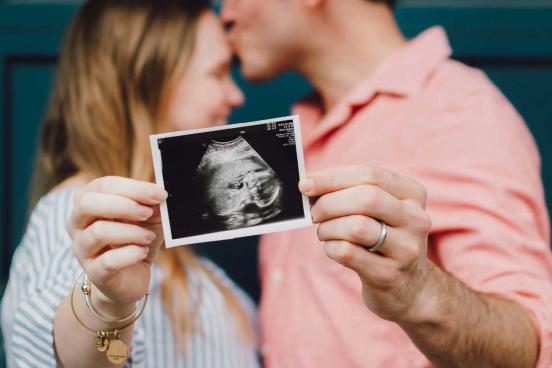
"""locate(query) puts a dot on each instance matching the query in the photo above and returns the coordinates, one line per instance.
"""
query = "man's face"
(265, 35)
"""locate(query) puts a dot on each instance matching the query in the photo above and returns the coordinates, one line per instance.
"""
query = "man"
(454, 264)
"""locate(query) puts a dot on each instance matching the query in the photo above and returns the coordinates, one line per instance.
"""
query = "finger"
(360, 200)
(334, 179)
(116, 259)
(154, 248)
(156, 216)
(139, 191)
(378, 271)
(365, 231)
(99, 234)
(92, 206)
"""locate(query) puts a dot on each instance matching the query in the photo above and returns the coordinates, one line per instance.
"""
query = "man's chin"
(256, 74)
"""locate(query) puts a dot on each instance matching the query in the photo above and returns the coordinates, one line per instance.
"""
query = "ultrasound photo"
(231, 181)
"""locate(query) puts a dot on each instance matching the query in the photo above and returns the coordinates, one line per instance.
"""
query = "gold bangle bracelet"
(87, 291)
(82, 323)
(106, 340)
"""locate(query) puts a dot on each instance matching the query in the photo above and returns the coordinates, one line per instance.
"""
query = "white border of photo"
(236, 233)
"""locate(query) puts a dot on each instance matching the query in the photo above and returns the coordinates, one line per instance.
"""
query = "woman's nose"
(236, 97)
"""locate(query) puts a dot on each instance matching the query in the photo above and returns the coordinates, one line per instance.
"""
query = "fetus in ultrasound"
(237, 187)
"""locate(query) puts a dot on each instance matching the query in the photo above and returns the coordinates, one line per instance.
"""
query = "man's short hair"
(390, 3)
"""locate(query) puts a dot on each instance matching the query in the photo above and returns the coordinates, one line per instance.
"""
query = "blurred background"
(510, 39)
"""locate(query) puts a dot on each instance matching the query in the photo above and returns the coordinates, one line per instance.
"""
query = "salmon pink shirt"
(447, 126)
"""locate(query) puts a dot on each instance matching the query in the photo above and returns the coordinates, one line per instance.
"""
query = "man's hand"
(349, 201)
(451, 324)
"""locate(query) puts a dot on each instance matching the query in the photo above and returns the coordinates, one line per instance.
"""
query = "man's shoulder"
(457, 91)
(454, 79)
(463, 104)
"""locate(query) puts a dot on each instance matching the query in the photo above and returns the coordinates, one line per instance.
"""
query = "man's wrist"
(429, 308)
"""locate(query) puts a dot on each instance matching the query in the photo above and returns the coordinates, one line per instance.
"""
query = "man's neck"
(348, 49)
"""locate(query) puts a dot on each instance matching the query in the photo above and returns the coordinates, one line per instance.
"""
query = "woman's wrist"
(108, 307)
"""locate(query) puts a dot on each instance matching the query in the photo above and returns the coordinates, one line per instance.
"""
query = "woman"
(128, 69)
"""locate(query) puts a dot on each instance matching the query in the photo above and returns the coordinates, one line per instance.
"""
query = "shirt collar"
(402, 74)
(405, 72)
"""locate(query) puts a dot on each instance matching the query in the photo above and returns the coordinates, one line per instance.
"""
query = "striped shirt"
(43, 271)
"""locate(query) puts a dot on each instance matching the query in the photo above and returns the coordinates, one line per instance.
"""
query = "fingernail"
(306, 185)
(151, 236)
(145, 212)
(158, 194)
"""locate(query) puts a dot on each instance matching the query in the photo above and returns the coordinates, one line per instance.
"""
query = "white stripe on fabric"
(43, 272)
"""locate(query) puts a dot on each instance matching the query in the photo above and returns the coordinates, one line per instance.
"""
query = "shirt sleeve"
(42, 273)
(486, 200)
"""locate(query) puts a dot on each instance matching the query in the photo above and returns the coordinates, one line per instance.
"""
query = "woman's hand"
(116, 230)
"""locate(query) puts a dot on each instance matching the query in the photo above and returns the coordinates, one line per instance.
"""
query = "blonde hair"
(115, 74)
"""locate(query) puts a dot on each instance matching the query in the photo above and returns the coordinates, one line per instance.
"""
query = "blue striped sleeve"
(42, 273)
(31, 298)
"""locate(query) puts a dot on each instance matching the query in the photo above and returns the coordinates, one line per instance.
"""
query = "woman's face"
(205, 93)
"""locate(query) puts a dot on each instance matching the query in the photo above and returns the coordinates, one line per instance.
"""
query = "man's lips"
(233, 40)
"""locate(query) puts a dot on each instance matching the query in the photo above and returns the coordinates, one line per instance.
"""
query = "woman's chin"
(221, 120)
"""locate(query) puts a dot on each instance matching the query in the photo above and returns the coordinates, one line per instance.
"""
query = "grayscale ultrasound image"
(239, 188)
(231, 178)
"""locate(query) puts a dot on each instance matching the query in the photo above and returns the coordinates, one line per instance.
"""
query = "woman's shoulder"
(54, 206)
(46, 226)
(45, 248)
(59, 198)
(57, 195)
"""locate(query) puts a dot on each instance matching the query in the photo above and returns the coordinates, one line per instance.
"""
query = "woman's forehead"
(211, 44)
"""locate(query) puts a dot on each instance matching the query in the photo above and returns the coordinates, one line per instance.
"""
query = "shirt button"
(277, 275)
